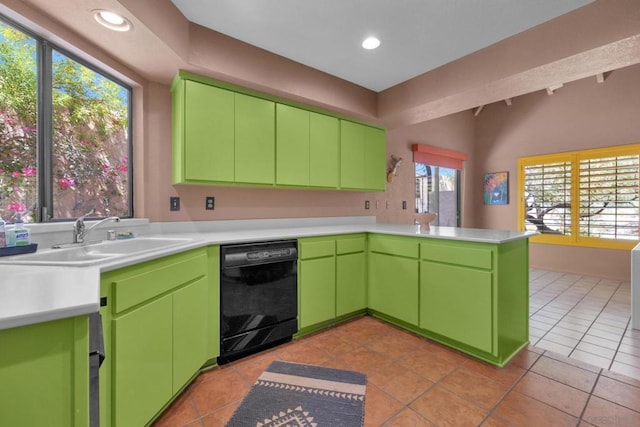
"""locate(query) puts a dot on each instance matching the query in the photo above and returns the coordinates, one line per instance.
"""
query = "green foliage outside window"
(86, 135)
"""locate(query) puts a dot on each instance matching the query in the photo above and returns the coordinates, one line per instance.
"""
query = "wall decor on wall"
(392, 171)
(496, 188)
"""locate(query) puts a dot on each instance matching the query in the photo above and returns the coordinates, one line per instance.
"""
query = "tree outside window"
(587, 198)
(69, 153)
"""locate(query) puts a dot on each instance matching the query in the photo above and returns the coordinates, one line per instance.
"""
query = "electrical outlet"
(386, 204)
(209, 203)
(377, 204)
(366, 204)
(404, 205)
(174, 203)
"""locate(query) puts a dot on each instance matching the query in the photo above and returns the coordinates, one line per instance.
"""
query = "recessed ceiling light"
(112, 20)
(370, 43)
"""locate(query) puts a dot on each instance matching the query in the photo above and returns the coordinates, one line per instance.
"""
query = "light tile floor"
(584, 318)
(572, 376)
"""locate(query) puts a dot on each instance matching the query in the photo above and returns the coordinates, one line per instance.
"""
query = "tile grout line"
(593, 389)
(594, 321)
(615, 354)
(510, 389)
(567, 312)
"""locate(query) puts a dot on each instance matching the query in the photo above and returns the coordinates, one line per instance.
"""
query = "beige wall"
(581, 115)
(453, 132)
(432, 109)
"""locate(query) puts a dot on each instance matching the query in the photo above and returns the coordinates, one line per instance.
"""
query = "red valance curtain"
(435, 156)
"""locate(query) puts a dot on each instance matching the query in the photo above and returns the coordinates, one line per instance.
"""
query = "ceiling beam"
(553, 88)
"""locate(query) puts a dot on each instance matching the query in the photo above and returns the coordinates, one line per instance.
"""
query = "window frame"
(574, 158)
(44, 149)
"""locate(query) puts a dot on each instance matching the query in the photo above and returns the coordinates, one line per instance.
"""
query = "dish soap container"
(3, 234)
(20, 234)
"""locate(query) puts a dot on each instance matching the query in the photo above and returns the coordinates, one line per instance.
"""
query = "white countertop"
(33, 294)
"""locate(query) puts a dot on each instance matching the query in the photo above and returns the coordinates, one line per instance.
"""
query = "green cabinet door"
(208, 133)
(456, 303)
(292, 146)
(351, 155)
(393, 286)
(142, 357)
(324, 142)
(254, 140)
(44, 374)
(317, 290)
(190, 318)
(375, 153)
(351, 284)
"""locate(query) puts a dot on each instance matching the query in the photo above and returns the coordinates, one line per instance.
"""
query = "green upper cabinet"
(351, 155)
(306, 148)
(292, 151)
(375, 152)
(226, 134)
(362, 157)
(255, 140)
(203, 139)
(324, 156)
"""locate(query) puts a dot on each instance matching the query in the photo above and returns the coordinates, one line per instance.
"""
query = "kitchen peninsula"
(466, 288)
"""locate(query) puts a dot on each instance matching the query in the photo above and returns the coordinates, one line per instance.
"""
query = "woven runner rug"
(295, 395)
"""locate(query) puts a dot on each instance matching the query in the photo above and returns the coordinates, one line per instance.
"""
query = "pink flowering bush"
(89, 142)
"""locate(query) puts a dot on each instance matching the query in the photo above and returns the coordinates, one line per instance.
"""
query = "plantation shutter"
(547, 192)
(609, 197)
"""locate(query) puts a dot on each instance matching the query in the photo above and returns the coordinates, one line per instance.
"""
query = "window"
(437, 191)
(437, 172)
(587, 198)
(65, 133)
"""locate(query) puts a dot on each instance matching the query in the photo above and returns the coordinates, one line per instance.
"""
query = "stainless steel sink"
(90, 254)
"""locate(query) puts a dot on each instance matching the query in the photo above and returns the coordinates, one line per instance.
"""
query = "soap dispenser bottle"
(3, 234)
(20, 233)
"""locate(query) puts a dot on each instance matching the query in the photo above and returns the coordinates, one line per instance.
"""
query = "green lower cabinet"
(143, 360)
(317, 290)
(157, 333)
(190, 328)
(393, 286)
(351, 274)
(456, 302)
(44, 374)
(332, 279)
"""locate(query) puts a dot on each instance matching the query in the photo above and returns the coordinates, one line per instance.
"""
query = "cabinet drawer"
(401, 247)
(350, 245)
(147, 283)
(478, 257)
(317, 249)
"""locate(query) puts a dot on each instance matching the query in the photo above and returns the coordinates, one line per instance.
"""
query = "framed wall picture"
(496, 188)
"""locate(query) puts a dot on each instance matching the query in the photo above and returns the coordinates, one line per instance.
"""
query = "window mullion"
(45, 131)
(575, 198)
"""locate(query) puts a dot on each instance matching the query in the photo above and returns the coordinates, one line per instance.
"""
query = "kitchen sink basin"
(94, 253)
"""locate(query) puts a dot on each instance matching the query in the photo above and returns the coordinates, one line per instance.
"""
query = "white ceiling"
(417, 35)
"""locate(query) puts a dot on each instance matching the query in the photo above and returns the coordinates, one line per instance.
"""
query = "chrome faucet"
(79, 229)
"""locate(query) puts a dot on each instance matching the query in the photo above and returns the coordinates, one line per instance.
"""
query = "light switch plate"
(174, 203)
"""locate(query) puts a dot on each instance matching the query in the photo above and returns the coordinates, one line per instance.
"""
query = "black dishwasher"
(258, 297)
